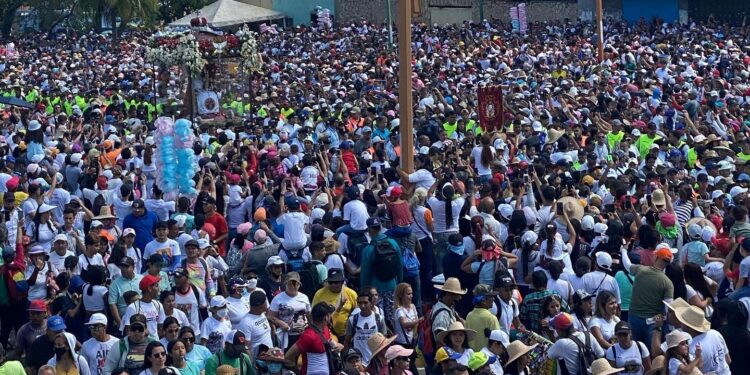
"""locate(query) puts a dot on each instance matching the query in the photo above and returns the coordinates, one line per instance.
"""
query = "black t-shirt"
(271, 287)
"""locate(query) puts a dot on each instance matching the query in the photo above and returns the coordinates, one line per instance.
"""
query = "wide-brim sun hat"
(456, 327)
(377, 342)
(451, 285)
(516, 350)
(694, 318)
(572, 207)
(601, 366)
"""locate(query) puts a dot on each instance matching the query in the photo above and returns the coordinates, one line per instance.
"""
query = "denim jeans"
(641, 330)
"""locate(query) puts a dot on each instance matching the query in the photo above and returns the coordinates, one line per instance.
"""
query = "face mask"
(275, 367)
(59, 352)
(223, 313)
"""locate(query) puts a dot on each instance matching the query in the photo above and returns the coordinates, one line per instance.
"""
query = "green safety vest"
(472, 125)
(287, 112)
(692, 157)
(450, 129)
(644, 143)
(613, 139)
(31, 96)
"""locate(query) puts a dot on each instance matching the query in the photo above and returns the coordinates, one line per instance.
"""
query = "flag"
(491, 108)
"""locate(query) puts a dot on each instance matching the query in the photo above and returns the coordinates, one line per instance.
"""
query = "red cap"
(38, 305)
(147, 281)
(12, 184)
(234, 179)
(396, 192)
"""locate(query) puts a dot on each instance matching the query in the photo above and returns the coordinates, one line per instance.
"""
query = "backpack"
(385, 258)
(310, 278)
(294, 262)
(411, 264)
(202, 311)
(585, 356)
(426, 340)
(355, 242)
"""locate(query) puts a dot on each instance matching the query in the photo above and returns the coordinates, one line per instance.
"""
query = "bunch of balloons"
(175, 160)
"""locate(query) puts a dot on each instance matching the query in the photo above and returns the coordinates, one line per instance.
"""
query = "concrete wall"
(376, 10)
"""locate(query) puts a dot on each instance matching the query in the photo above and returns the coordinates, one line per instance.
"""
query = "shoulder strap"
(435, 313)
(377, 322)
(627, 274)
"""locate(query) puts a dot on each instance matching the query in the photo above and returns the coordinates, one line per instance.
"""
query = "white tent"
(225, 13)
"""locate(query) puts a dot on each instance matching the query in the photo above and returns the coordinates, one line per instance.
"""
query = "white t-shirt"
(366, 327)
(476, 153)
(294, 229)
(188, 304)
(257, 328)
(606, 327)
(422, 178)
(509, 311)
(567, 350)
(292, 310)
(58, 261)
(180, 316)
(714, 352)
(405, 336)
(95, 301)
(630, 357)
(168, 249)
(95, 353)
(84, 262)
(597, 281)
(238, 308)
(438, 214)
(160, 207)
(356, 213)
(214, 332)
(153, 311)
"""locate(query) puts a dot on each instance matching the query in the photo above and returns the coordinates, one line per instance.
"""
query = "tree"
(8, 10)
(174, 9)
(129, 10)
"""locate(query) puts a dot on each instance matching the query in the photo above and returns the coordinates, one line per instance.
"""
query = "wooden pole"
(406, 117)
(599, 30)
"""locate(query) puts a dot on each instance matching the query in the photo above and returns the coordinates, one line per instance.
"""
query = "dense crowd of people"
(602, 229)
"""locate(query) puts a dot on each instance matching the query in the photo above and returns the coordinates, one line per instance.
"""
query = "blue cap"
(675, 154)
(56, 323)
(743, 177)
(10, 159)
(109, 119)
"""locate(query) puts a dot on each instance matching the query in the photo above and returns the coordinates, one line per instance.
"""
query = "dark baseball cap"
(180, 272)
(193, 243)
(373, 222)
(335, 275)
(455, 239)
(156, 259)
(126, 261)
(138, 319)
(139, 203)
(504, 280)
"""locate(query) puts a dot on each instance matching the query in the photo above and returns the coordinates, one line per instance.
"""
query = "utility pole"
(481, 10)
(406, 117)
(390, 26)
(600, 30)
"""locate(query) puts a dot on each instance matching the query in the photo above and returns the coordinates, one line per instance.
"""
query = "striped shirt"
(684, 212)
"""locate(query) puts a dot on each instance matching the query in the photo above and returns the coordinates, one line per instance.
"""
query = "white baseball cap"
(97, 318)
(505, 210)
(604, 260)
(737, 190)
(587, 222)
(218, 302)
(61, 237)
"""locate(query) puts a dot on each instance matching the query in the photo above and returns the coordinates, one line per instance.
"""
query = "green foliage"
(171, 10)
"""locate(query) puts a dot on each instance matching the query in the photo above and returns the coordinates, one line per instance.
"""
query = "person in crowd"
(196, 353)
(602, 324)
(571, 344)
(217, 326)
(255, 324)
(128, 354)
(626, 353)
(530, 311)
(176, 350)
(66, 358)
(154, 358)
(289, 310)
(518, 358)
(336, 293)
(378, 268)
(129, 280)
(43, 347)
(96, 348)
(315, 341)
(362, 325)
(480, 318)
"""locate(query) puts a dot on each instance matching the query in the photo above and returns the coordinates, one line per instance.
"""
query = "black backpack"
(386, 262)
(294, 262)
(585, 356)
(309, 278)
(355, 242)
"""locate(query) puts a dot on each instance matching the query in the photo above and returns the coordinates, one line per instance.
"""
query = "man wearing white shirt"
(598, 280)
(255, 324)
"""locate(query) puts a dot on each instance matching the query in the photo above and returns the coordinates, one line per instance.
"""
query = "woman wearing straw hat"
(518, 358)
(709, 341)
(378, 343)
(456, 338)
(602, 367)
(679, 361)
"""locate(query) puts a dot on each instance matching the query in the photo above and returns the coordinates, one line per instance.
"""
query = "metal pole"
(481, 10)
(405, 86)
(390, 26)
(600, 30)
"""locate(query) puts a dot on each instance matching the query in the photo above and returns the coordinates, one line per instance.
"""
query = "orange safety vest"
(352, 124)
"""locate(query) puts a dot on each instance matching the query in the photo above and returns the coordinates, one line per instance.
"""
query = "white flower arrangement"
(176, 49)
(250, 58)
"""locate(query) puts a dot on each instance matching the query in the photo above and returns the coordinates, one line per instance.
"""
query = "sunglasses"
(137, 328)
(335, 282)
(189, 339)
(96, 327)
(159, 354)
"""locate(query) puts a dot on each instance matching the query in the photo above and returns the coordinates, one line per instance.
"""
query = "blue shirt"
(198, 355)
(367, 276)
(143, 226)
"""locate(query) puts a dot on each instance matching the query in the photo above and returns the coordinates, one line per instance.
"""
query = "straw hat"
(452, 285)
(602, 367)
(553, 135)
(225, 370)
(675, 337)
(658, 198)
(693, 317)
(702, 222)
(378, 342)
(657, 364)
(572, 207)
(105, 213)
(516, 350)
(456, 327)
(676, 304)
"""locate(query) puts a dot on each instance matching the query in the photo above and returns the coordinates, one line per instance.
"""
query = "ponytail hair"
(477, 226)
(447, 192)
(486, 156)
